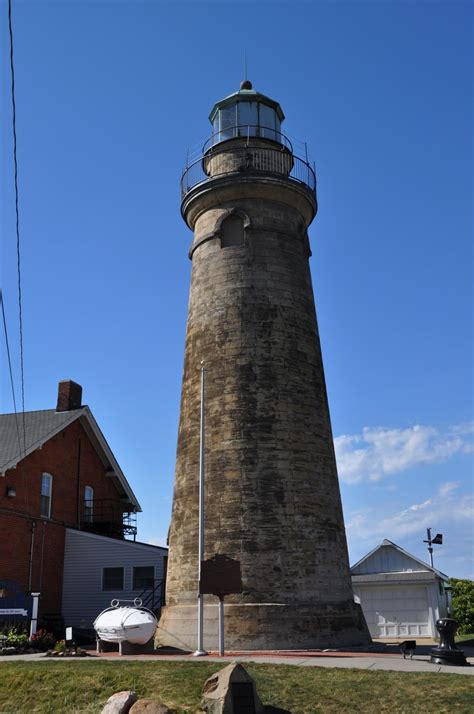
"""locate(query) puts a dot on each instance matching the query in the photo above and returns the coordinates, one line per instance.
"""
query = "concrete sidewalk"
(373, 661)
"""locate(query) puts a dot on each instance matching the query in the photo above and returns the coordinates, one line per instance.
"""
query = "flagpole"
(200, 651)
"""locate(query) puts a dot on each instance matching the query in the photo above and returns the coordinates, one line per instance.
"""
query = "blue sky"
(110, 95)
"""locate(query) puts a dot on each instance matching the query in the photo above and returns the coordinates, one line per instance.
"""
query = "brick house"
(62, 475)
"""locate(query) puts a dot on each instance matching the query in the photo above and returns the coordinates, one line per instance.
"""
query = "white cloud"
(446, 503)
(466, 428)
(380, 451)
(447, 488)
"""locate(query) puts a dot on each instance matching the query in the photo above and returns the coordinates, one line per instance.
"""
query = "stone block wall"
(271, 495)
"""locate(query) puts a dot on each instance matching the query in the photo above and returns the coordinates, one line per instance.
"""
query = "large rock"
(149, 706)
(120, 703)
(229, 691)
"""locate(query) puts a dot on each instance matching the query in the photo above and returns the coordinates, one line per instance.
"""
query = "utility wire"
(10, 368)
(20, 313)
(17, 212)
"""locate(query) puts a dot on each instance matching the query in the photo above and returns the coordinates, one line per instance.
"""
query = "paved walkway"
(388, 660)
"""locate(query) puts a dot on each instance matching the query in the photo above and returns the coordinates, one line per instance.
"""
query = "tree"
(463, 604)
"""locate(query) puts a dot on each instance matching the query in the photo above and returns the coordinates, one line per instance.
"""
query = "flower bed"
(15, 640)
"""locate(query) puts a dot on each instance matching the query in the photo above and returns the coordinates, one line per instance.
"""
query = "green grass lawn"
(465, 639)
(85, 685)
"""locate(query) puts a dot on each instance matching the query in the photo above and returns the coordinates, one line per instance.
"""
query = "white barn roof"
(389, 557)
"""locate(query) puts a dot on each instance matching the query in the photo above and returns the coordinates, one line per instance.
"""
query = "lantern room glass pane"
(248, 118)
(267, 122)
(228, 121)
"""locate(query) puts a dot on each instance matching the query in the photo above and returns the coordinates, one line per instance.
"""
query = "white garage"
(401, 596)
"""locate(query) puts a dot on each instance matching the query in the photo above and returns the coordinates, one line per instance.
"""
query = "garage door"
(396, 611)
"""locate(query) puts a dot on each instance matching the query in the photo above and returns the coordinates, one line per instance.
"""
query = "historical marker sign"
(220, 576)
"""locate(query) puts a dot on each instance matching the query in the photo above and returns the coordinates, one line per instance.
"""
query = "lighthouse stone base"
(265, 626)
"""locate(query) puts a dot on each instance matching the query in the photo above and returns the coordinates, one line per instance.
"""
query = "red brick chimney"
(69, 396)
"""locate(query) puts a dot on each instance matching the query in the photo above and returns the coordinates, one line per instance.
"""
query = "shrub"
(463, 604)
(14, 636)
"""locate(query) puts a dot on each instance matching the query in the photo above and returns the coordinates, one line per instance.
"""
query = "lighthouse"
(271, 495)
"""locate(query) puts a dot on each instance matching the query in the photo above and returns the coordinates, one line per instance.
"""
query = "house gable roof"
(389, 557)
(41, 426)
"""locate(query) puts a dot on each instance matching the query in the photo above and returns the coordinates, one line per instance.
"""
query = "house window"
(45, 501)
(232, 232)
(112, 579)
(144, 577)
(88, 504)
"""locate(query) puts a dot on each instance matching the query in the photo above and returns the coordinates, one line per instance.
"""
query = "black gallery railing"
(248, 131)
(107, 517)
(248, 159)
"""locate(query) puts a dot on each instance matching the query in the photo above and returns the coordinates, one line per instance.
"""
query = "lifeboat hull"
(126, 624)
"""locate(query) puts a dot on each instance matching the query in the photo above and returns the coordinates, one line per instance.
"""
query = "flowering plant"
(43, 640)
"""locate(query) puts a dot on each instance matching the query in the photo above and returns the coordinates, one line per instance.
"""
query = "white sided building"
(98, 569)
(401, 596)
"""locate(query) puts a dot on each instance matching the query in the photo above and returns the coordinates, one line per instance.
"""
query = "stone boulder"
(229, 691)
(120, 703)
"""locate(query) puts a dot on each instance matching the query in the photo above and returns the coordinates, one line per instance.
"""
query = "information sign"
(13, 611)
(220, 576)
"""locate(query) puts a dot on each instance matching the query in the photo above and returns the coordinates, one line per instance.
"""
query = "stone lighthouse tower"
(271, 490)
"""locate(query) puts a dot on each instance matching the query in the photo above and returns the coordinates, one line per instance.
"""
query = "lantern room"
(246, 113)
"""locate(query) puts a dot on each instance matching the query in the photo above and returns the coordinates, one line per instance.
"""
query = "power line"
(17, 212)
(20, 312)
(10, 368)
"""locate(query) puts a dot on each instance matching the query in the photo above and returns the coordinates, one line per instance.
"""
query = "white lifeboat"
(130, 623)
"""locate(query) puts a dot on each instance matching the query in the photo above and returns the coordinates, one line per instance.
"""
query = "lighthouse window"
(232, 232)
(112, 579)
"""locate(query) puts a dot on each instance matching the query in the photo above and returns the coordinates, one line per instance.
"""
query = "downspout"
(33, 526)
(78, 485)
(42, 558)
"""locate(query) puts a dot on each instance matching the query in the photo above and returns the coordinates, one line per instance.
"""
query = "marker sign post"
(220, 576)
(34, 614)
